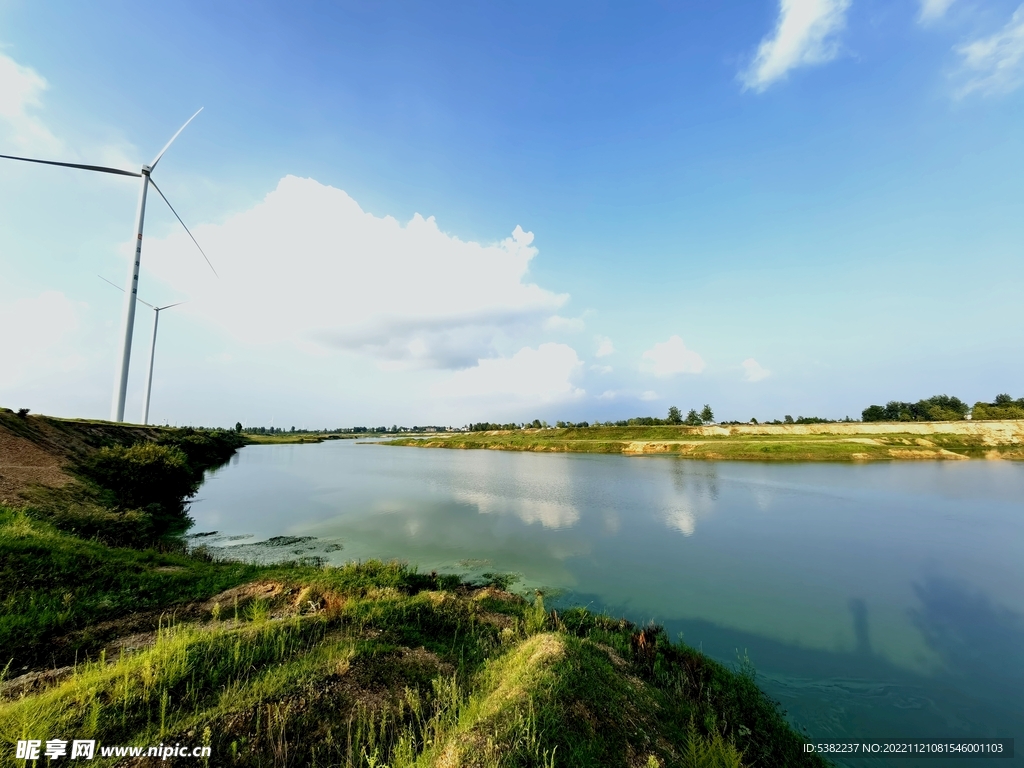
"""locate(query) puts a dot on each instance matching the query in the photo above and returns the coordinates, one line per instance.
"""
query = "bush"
(936, 408)
(1003, 407)
(155, 478)
(204, 448)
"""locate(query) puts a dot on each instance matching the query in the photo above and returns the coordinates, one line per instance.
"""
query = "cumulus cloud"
(541, 375)
(804, 35)
(695, 501)
(308, 266)
(559, 323)
(932, 10)
(20, 92)
(39, 334)
(753, 371)
(649, 395)
(550, 514)
(995, 64)
(671, 357)
(604, 346)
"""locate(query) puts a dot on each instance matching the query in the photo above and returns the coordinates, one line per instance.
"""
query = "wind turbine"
(152, 346)
(132, 285)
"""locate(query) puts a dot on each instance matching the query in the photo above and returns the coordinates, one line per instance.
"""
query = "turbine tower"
(152, 354)
(132, 285)
(152, 346)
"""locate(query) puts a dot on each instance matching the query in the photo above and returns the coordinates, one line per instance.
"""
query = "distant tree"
(787, 419)
(674, 416)
(943, 408)
(873, 413)
(936, 408)
(706, 414)
(753, 420)
(693, 418)
(22, 413)
(1003, 407)
(536, 424)
(238, 426)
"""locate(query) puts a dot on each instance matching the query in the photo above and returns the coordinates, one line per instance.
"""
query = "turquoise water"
(874, 600)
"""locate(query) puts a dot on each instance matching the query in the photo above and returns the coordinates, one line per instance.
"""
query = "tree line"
(936, 408)
(675, 417)
(945, 408)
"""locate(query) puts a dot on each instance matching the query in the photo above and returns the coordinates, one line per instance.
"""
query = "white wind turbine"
(132, 285)
(152, 346)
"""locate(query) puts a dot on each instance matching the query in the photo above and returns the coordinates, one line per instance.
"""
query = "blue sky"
(437, 213)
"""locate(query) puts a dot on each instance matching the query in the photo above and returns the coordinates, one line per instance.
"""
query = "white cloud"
(24, 131)
(602, 369)
(608, 394)
(804, 35)
(604, 346)
(559, 323)
(649, 395)
(550, 514)
(753, 371)
(671, 357)
(535, 376)
(38, 339)
(931, 10)
(995, 64)
(681, 519)
(20, 91)
(308, 266)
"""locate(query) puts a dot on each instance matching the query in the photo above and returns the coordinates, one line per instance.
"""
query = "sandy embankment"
(992, 432)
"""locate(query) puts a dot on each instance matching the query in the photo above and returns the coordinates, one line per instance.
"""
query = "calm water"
(875, 601)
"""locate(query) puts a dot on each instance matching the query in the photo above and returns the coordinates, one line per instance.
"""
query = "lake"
(874, 600)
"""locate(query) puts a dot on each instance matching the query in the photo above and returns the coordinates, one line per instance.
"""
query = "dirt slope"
(39, 449)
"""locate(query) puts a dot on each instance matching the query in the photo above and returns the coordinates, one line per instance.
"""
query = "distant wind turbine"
(152, 346)
(132, 286)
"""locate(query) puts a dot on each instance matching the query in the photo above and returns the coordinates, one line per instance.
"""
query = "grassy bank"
(369, 664)
(812, 442)
(302, 437)
(110, 631)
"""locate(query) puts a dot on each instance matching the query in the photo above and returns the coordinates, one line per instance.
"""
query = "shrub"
(147, 476)
(936, 408)
(1003, 407)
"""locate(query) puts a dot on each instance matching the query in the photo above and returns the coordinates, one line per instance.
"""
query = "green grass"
(53, 583)
(759, 444)
(374, 664)
(369, 664)
(282, 439)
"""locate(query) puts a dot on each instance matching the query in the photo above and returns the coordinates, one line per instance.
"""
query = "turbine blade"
(101, 277)
(152, 166)
(176, 304)
(100, 168)
(183, 224)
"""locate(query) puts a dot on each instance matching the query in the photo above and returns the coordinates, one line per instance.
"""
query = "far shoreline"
(837, 441)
